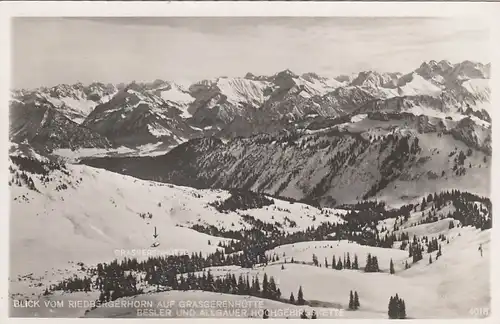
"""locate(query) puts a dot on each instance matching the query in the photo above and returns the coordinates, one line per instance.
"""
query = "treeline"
(21, 178)
(360, 227)
(227, 284)
(403, 150)
(35, 166)
(337, 264)
(470, 209)
(242, 200)
(120, 279)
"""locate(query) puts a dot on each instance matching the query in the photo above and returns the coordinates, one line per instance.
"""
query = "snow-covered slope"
(76, 230)
(430, 291)
(239, 90)
(413, 84)
(179, 96)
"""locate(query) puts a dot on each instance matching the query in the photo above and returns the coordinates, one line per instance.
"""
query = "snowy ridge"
(316, 85)
(240, 90)
(414, 84)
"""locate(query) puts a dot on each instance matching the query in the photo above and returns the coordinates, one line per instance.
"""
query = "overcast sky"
(49, 51)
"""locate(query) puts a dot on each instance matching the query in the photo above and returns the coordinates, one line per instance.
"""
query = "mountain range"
(162, 111)
(305, 137)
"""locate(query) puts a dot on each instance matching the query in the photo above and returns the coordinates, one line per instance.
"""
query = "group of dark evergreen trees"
(300, 298)
(339, 265)
(371, 264)
(267, 236)
(21, 178)
(116, 279)
(354, 301)
(467, 210)
(397, 308)
(403, 149)
(242, 200)
(73, 284)
(228, 284)
(36, 166)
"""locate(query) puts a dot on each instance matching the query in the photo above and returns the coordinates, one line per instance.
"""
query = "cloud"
(48, 51)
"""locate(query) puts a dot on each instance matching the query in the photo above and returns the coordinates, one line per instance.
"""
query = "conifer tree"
(351, 301)
(402, 309)
(315, 260)
(248, 287)
(368, 265)
(391, 311)
(356, 300)
(355, 262)
(256, 286)
(339, 264)
(391, 267)
(375, 267)
(292, 299)
(272, 290)
(241, 284)
(313, 316)
(430, 259)
(303, 315)
(326, 262)
(265, 287)
(300, 297)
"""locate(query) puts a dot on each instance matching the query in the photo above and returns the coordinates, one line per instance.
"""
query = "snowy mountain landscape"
(292, 196)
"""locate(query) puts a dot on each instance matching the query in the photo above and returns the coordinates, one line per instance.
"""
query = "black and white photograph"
(250, 167)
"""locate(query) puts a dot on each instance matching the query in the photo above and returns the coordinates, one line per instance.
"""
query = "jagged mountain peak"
(470, 70)
(444, 72)
(374, 79)
(310, 76)
(445, 65)
(286, 73)
(289, 72)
